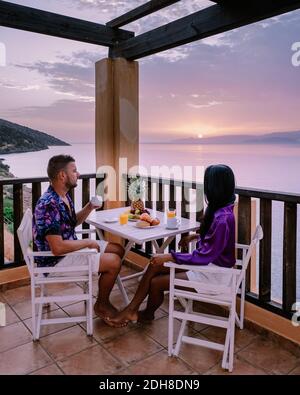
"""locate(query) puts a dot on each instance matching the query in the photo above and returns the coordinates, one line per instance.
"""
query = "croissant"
(146, 217)
(155, 221)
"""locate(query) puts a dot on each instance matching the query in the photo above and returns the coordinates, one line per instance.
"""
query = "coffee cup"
(173, 223)
(96, 201)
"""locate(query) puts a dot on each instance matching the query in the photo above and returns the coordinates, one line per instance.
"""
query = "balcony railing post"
(149, 204)
(172, 205)
(244, 228)
(289, 256)
(265, 248)
(85, 200)
(184, 213)
(18, 214)
(160, 204)
(36, 194)
(199, 201)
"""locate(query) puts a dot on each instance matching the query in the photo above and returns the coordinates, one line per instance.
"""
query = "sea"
(267, 167)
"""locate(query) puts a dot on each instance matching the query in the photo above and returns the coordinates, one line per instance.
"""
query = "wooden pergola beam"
(204, 23)
(140, 12)
(38, 21)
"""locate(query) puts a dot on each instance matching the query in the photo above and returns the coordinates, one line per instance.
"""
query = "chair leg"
(122, 290)
(90, 311)
(226, 346)
(242, 308)
(231, 345)
(45, 292)
(171, 311)
(39, 318)
(33, 318)
(179, 338)
(189, 306)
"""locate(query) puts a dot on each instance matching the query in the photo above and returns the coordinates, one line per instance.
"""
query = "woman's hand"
(186, 240)
(160, 259)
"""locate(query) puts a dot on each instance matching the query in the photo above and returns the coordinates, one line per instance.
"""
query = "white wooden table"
(138, 235)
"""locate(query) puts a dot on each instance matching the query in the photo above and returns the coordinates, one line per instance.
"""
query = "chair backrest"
(257, 236)
(25, 236)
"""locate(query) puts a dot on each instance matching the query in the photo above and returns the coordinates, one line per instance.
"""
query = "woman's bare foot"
(122, 318)
(104, 310)
(145, 316)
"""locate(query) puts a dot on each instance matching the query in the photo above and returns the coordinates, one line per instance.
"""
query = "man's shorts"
(77, 260)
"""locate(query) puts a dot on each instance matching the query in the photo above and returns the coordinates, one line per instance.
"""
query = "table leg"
(100, 234)
(125, 278)
(160, 249)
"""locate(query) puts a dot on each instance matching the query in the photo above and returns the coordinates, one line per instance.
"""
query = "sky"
(238, 82)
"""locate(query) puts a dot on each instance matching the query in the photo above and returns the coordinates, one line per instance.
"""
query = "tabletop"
(138, 235)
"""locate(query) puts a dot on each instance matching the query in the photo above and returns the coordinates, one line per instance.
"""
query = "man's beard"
(69, 185)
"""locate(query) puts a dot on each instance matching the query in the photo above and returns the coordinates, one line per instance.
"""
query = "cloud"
(69, 75)
(13, 85)
(204, 105)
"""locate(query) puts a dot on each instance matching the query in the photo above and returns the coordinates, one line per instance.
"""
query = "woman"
(215, 246)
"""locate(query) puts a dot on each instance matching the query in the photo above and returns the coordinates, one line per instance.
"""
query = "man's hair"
(58, 163)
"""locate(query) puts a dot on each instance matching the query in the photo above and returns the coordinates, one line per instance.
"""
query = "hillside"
(15, 138)
(269, 138)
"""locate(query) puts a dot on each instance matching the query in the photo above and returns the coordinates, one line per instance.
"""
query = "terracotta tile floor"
(136, 349)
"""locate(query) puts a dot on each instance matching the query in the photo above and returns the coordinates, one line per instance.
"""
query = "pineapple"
(137, 205)
(136, 192)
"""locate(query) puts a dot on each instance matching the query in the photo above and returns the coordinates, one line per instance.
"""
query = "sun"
(200, 136)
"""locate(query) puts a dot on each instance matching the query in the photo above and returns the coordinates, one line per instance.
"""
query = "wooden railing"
(17, 196)
(179, 197)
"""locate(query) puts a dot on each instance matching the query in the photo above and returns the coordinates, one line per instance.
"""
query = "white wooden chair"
(223, 295)
(39, 281)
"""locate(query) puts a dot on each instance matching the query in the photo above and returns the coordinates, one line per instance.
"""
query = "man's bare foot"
(122, 318)
(145, 316)
(104, 310)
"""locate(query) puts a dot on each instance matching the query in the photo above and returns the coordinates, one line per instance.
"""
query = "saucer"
(111, 220)
(147, 227)
(177, 227)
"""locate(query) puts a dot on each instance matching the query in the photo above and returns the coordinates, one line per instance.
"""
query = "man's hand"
(160, 259)
(93, 206)
(95, 202)
(186, 240)
(93, 244)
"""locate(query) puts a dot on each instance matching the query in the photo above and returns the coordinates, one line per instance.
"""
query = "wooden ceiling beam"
(140, 12)
(43, 22)
(207, 22)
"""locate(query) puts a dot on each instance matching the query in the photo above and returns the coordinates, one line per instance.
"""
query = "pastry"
(155, 221)
(146, 217)
(142, 224)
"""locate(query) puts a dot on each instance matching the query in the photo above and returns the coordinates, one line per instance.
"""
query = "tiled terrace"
(136, 349)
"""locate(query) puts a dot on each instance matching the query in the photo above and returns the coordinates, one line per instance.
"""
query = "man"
(54, 223)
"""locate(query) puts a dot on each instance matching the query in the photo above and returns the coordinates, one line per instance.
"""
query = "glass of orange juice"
(171, 213)
(123, 219)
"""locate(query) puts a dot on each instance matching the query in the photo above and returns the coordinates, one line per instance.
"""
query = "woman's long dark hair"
(219, 186)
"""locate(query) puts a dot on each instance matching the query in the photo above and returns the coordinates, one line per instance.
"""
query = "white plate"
(133, 220)
(148, 227)
(111, 220)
